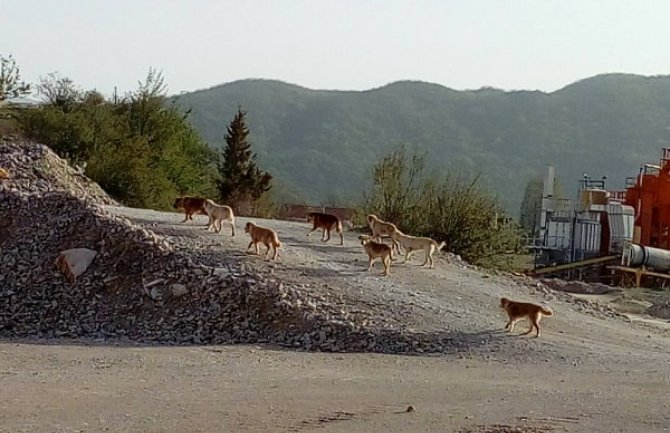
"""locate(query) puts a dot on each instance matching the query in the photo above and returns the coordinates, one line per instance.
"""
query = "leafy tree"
(11, 85)
(59, 91)
(241, 180)
(139, 148)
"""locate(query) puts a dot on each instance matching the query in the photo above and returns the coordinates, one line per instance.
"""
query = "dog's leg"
(408, 254)
(370, 264)
(425, 259)
(387, 266)
(267, 251)
(311, 231)
(396, 245)
(185, 217)
(511, 327)
(428, 259)
(232, 228)
(326, 232)
(341, 238)
(258, 251)
(536, 324)
(532, 326)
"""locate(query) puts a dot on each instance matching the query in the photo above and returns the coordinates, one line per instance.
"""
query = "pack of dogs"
(373, 246)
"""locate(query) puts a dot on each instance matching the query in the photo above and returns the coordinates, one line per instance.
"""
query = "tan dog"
(382, 228)
(190, 206)
(326, 222)
(518, 310)
(217, 214)
(412, 244)
(4, 174)
(266, 236)
(376, 250)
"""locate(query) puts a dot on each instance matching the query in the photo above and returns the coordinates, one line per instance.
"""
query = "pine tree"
(241, 179)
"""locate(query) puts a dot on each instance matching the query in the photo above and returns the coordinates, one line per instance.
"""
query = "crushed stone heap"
(34, 168)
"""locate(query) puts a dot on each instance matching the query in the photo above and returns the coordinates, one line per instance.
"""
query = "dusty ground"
(589, 371)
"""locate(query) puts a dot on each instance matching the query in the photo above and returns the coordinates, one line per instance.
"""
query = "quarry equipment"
(591, 230)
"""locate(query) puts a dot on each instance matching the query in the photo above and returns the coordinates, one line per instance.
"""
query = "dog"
(382, 228)
(326, 222)
(376, 250)
(264, 235)
(412, 244)
(4, 174)
(518, 310)
(217, 214)
(190, 206)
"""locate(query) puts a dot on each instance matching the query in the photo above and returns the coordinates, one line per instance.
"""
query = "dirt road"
(590, 371)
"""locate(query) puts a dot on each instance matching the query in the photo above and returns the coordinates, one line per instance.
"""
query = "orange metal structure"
(650, 197)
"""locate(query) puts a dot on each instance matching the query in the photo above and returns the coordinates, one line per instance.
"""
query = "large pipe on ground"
(635, 255)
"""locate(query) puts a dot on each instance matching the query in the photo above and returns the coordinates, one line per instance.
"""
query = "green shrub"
(457, 210)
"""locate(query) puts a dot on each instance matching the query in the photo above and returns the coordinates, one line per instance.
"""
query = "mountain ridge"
(321, 144)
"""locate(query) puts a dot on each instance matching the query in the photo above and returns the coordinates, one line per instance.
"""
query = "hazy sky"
(346, 45)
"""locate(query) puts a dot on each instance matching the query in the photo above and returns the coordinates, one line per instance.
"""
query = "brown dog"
(518, 310)
(190, 206)
(264, 235)
(326, 222)
(376, 250)
(382, 229)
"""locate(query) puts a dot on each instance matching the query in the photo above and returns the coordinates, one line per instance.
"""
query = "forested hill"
(321, 144)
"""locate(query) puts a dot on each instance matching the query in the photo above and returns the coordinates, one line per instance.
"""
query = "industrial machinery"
(649, 194)
(574, 233)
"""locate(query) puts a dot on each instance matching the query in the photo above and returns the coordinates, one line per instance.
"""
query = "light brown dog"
(4, 174)
(518, 310)
(382, 228)
(264, 235)
(190, 206)
(412, 244)
(326, 222)
(217, 214)
(376, 250)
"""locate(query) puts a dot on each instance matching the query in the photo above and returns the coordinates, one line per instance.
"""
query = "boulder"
(74, 262)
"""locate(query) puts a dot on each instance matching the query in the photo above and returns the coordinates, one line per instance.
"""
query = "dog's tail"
(339, 226)
(277, 241)
(546, 311)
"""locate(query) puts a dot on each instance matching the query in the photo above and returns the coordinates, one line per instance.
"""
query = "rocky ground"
(135, 343)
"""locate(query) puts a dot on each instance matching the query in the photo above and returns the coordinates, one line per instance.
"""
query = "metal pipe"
(654, 258)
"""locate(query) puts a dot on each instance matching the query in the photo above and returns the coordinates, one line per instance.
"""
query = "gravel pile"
(34, 168)
(140, 288)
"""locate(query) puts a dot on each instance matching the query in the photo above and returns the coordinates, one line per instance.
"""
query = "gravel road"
(591, 370)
